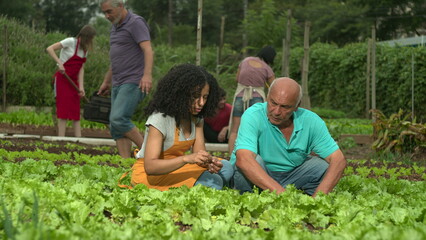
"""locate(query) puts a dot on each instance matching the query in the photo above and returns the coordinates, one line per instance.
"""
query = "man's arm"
(146, 82)
(246, 162)
(334, 172)
(222, 134)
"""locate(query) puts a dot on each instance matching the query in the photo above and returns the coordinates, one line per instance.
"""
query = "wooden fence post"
(367, 83)
(286, 47)
(245, 41)
(412, 85)
(306, 102)
(199, 30)
(170, 23)
(5, 59)
(219, 51)
(373, 70)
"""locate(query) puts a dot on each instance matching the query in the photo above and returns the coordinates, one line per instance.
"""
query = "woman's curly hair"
(177, 90)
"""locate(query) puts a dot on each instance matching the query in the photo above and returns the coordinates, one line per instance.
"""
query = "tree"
(347, 21)
(185, 14)
(265, 25)
(335, 21)
(19, 9)
(394, 19)
(22, 10)
(67, 16)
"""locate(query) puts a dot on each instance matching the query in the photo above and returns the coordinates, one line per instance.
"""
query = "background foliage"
(336, 76)
(333, 21)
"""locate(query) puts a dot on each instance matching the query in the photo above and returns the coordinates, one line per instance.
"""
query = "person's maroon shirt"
(221, 119)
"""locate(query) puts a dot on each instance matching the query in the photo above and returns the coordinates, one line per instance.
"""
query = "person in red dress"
(71, 62)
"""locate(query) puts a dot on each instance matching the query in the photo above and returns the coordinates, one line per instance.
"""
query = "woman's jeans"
(219, 180)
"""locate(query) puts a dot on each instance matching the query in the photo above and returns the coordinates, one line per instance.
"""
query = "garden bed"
(72, 189)
(359, 157)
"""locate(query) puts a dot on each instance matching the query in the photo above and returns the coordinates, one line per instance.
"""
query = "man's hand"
(106, 84)
(251, 169)
(104, 89)
(334, 172)
(146, 83)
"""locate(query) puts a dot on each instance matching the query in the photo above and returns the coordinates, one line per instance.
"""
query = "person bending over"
(69, 91)
(254, 73)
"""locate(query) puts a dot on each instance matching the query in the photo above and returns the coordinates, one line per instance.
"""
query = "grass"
(48, 119)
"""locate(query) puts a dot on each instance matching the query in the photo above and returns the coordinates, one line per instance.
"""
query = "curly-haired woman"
(185, 95)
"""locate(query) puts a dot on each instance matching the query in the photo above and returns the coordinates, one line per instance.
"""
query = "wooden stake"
(245, 41)
(199, 29)
(5, 60)
(367, 83)
(170, 23)
(306, 102)
(373, 70)
(286, 47)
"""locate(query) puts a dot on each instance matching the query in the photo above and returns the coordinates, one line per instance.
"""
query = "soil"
(358, 156)
(57, 147)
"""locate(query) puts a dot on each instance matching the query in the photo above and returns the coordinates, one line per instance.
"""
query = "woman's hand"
(82, 93)
(201, 158)
(61, 68)
(215, 165)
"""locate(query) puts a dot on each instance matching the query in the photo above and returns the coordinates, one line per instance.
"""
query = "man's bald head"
(287, 87)
(283, 100)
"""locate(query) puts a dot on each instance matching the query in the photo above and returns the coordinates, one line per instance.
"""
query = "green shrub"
(347, 143)
(336, 75)
(341, 126)
(398, 133)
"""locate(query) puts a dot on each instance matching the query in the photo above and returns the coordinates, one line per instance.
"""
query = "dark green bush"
(328, 113)
(337, 78)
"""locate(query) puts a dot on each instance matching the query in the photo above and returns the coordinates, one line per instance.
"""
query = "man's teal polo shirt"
(258, 135)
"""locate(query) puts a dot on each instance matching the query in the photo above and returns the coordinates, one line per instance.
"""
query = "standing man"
(275, 141)
(130, 72)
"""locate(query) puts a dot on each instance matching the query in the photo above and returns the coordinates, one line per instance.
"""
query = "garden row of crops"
(336, 126)
(72, 195)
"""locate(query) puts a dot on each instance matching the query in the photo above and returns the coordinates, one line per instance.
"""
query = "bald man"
(275, 141)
